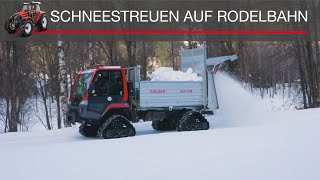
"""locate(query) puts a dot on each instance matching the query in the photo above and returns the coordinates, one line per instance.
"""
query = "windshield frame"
(80, 88)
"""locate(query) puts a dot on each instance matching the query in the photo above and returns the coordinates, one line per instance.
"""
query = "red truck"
(106, 100)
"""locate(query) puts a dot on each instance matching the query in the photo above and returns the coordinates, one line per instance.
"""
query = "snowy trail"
(247, 142)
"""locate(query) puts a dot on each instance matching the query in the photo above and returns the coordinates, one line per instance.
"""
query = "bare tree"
(16, 82)
(63, 83)
(90, 53)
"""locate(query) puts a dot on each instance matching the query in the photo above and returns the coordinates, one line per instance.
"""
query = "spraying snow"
(168, 74)
(237, 105)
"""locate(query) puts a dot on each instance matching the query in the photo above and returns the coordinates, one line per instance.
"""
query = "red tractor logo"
(28, 16)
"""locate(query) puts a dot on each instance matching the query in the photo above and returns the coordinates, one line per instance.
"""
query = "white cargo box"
(155, 94)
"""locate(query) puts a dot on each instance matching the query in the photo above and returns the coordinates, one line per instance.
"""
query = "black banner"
(163, 20)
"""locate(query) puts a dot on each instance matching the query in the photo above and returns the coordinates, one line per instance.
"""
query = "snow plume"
(168, 74)
(237, 105)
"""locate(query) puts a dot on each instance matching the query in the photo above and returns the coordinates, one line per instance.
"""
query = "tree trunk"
(7, 114)
(311, 77)
(63, 83)
(90, 54)
(307, 87)
(114, 53)
(13, 120)
(59, 112)
(128, 46)
(302, 78)
(145, 64)
(172, 55)
(44, 99)
(134, 52)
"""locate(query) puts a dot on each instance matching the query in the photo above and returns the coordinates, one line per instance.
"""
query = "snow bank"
(284, 147)
(168, 74)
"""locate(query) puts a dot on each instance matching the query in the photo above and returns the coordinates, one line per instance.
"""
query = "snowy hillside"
(246, 141)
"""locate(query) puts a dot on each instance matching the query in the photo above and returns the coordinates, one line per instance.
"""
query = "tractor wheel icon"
(26, 28)
(10, 26)
(42, 23)
(28, 16)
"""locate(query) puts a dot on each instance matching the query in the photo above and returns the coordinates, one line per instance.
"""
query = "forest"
(35, 77)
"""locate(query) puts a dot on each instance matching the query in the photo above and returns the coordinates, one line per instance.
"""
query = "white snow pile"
(168, 74)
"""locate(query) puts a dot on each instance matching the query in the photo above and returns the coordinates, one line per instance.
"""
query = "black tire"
(88, 131)
(193, 121)
(42, 23)
(7, 26)
(26, 28)
(116, 126)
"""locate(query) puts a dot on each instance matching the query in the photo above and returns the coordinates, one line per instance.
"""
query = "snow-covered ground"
(282, 97)
(246, 141)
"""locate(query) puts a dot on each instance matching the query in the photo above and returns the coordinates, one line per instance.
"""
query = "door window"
(108, 83)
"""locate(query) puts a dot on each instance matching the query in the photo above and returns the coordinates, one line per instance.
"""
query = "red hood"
(24, 13)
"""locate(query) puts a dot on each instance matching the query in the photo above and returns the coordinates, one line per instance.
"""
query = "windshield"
(80, 88)
(25, 7)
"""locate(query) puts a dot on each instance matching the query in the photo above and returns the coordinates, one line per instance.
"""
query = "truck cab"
(97, 91)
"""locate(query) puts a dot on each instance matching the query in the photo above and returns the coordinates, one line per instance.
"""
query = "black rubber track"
(88, 131)
(116, 126)
(170, 122)
(193, 121)
(163, 125)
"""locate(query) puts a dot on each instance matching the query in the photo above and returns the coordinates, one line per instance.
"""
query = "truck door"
(106, 88)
